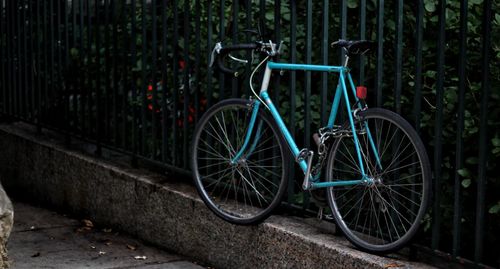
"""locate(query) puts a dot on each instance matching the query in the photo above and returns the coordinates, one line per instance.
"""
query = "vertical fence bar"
(107, 119)
(175, 84)
(222, 35)
(52, 63)
(292, 90)
(248, 25)
(343, 26)
(380, 52)
(459, 159)
(17, 61)
(25, 99)
(307, 86)
(124, 75)
(45, 76)
(32, 70)
(362, 36)
(59, 78)
(8, 41)
(436, 225)
(187, 66)
(324, 61)
(262, 17)
(483, 132)
(197, 72)
(209, 51)
(13, 88)
(38, 66)
(154, 88)
(4, 52)
(76, 79)
(2, 58)
(133, 82)
(399, 56)
(277, 38)
(98, 101)
(114, 78)
(83, 81)
(144, 80)
(417, 100)
(234, 21)
(164, 74)
(67, 80)
(90, 70)
(8, 66)
(8, 58)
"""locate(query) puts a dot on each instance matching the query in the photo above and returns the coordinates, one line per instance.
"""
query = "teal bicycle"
(376, 176)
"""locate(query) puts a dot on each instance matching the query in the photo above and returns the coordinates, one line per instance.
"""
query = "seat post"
(346, 60)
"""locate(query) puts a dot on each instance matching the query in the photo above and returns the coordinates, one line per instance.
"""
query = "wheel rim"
(248, 188)
(385, 212)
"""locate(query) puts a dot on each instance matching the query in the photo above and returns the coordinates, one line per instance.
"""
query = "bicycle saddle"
(355, 47)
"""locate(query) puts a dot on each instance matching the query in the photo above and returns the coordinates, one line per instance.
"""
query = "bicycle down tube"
(341, 90)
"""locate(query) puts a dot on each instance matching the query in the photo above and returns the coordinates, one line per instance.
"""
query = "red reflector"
(361, 92)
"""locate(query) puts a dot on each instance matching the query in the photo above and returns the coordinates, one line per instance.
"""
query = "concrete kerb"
(169, 215)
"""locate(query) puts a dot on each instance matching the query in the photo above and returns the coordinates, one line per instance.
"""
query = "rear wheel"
(383, 215)
(245, 191)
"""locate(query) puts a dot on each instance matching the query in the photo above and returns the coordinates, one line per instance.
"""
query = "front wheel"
(243, 190)
(383, 214)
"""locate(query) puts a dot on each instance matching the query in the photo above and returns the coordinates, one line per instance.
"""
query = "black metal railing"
(133, 76)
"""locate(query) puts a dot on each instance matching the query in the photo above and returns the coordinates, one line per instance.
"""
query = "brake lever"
(217, 48)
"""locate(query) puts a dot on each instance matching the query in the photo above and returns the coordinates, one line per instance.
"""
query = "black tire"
(245, 192)
(382, 216)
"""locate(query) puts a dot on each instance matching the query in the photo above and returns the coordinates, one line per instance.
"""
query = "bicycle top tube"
(306, 67)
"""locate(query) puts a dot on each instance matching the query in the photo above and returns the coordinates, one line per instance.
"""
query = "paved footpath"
(44, 239)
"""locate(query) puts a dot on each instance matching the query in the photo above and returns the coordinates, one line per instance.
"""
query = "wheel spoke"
(242, 191)
(382, 213)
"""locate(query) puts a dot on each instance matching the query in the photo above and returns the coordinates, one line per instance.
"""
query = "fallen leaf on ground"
(131, 247)
(92, 247)
(102, 252)
(88, 223)
(140, 257)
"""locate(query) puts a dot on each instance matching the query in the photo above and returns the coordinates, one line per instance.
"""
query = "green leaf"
(352, 4)
(269, 16)
(430, 6)
(466, 183)
(464, 172)
(494, 209)
(471, 160)
(74, 52)
(496, 141)
(497, 19)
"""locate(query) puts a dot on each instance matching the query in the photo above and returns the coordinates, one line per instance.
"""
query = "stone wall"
(6, 222)
(164, 211)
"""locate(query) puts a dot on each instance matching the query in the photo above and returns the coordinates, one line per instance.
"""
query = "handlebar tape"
(226, 50)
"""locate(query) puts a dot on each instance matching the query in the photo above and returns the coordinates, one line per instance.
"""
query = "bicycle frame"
(341, 91)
